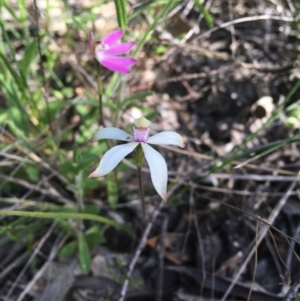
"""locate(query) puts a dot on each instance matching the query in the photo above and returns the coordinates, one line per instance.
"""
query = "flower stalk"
(100, 95)
(139, 160)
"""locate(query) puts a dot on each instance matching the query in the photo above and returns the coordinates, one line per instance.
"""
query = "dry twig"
(139, 249)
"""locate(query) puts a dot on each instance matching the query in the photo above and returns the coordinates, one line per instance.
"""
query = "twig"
(139, 249)
(255, 262)
(49, 192)
(161, 253)
(42, 270)
(34, 254)
(290, 251)
(262, 234)
(293, 290)
(18, 261)
(29, 154)
(243, 20)
(253, 177)
(200, 240)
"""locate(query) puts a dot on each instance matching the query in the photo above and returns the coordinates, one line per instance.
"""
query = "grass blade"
(207, 16)
(29, 55)
(121, 13)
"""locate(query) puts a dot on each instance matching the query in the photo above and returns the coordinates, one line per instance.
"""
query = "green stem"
(100, 93)
(140, 159)
(141, 192)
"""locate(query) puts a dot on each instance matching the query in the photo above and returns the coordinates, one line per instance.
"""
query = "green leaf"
(151, 115)
(81, 109)
(161, 49)
(111, 106)
(93, 239)
(78, 22)
(94, 236)
(84, 254)
(68, 249)
(33, 172)
(139, 95)
(29, 56)
(93, 229)
(207, 16)
(19, 124)
(136, 96)
(64, 225)
(121, 13)
(91, 209)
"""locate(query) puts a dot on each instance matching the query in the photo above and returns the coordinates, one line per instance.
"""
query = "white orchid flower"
(156, 162)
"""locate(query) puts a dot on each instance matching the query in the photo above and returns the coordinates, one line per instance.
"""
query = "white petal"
(158, 170)
(112, 158)
(167, 137)
(113, 133)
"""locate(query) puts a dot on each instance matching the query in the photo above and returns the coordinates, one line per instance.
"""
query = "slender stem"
(43, 77)
(142, 195)
(100, 93)
(119, 100)
(139, 163)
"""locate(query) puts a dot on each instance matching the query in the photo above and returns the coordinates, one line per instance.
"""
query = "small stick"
(139, 249)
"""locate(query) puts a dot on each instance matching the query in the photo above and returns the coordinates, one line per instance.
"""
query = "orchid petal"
(166, 138)
(112, 133)
(112, 158)
(118, 64)
(112, 37)
(119, 49)
(158, 170)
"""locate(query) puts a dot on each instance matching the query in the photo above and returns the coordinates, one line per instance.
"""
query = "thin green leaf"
(11, 70)
(121, 13)
(78, 22)
(94, 239)
(66, 226)
(67, 215)
(130, 101)
(11, 11)
(207, 16)
(17, 116)
(91, 209)
(139, 95)
(29, 55)
(68, 249)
